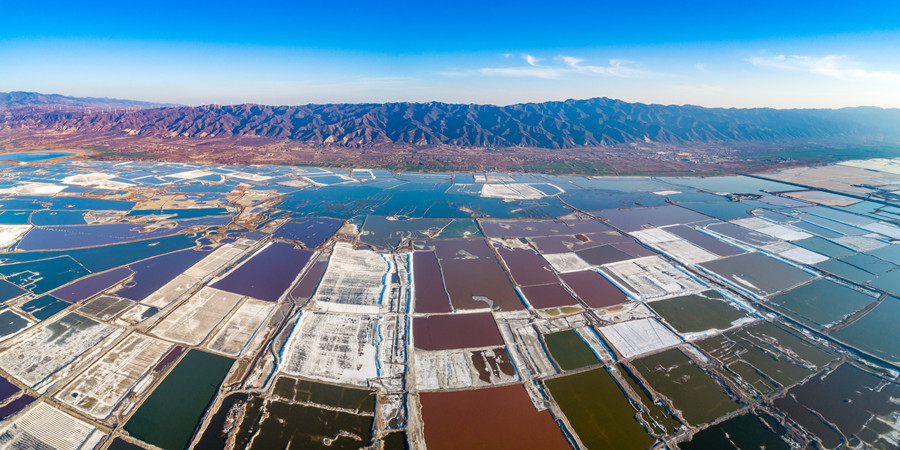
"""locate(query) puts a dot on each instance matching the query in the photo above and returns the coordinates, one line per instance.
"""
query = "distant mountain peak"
(573, 123)
(22, 99)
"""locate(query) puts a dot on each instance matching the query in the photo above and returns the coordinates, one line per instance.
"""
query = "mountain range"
(571, 124)
(31, 100)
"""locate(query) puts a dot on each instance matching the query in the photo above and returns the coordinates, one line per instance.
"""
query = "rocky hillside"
(570, 124)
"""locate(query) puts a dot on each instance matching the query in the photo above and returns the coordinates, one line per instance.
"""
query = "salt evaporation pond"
(365, 308)
(486, 415)
(598, 411)
(169, 416)
(267, 274)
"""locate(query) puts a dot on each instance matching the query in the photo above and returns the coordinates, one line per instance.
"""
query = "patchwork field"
(156, 305)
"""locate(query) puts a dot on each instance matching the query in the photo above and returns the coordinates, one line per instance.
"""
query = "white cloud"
(564, 65)
(616, 67)
(835, 66)
(701, 67)
(531, 60)
(571, 60)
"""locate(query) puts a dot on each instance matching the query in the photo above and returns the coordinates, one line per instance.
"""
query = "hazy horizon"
(431, 101)
(802, 55)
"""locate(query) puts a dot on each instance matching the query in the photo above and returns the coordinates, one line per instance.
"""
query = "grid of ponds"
(255, 306)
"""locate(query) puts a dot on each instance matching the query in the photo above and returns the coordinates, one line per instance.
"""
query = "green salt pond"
(362, 400)
(876, 332)
(821, 303)
(569, 350)
(699, 312)
(764, 353)
(170, 414)
(843, 407)
(598, 410)
(662, 420)
(693, 392)
(747, 431)
(303, 426)
(846, 271)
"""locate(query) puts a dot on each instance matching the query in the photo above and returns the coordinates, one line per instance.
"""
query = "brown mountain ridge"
(569, 124)
(590, 125)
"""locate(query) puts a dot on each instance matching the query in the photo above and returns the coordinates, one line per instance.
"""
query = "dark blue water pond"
(88, 287)
(42, 308)
(14, 217)
(65, 237)
(7, 389)
(99, 259)
(10, 324)
(9, 291)
(311, 232)
(180, 213)
(57, 217)
(15, 406)
(43, 275)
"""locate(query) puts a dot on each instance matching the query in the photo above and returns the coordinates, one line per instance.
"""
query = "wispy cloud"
(532, 70)
(531, 60)
(558, 67)
(835, 66)
(616, 67)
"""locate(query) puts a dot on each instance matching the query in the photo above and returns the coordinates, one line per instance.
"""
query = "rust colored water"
(593, 289)
(456, 331)
(526, 266)
(431, 297)
(548, 296)
(473, 276)
(495, 418)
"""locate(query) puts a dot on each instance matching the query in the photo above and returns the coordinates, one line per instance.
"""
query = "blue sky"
(727, 54)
